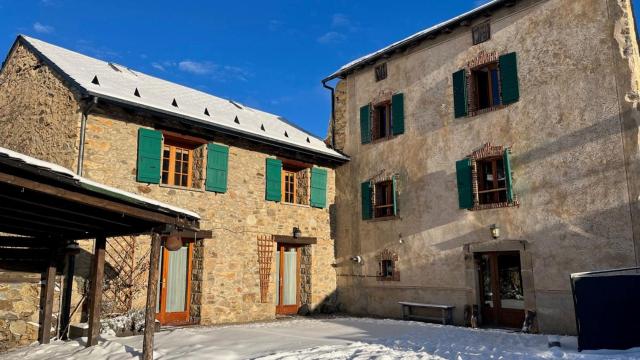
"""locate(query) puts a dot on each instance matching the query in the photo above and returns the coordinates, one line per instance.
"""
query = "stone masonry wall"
(229, 290)
(39, 115)
(574, 140)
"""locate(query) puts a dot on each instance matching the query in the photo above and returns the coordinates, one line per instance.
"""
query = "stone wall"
(575, 173)
(39, 115)
(229, 289)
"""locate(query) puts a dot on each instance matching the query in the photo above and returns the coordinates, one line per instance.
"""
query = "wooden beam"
(95, 201)
(46, 301)
(152, 293)
(288, 239)
(95, 293)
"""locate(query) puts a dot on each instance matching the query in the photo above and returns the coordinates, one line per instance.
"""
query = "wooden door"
(501, 291)
(287, 279)
(174, 286)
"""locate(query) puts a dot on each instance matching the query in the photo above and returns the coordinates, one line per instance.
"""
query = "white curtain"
(277, 277)
(289, 290)
(177, 280)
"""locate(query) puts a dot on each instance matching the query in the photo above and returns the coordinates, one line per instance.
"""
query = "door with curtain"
(287, 279)
(174, 286)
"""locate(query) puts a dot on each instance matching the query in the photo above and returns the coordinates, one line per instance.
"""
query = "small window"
(387, 263)
(289, 186)
(177, 162)
(295, 183)
(383, 205)
(386, 268)
(485, 82)
(481, 33)
(381, 121)
(381, 72)
(492, 184)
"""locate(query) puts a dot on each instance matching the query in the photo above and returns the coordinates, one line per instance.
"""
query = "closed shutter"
(217, 168)
(318, 187)
(397, 113)
(460, 94)
(366, 200)
(465, 191)
(149, 156)
(365, 124)
(509, 78)
(507, 175)
(274, 180)
(394, 189)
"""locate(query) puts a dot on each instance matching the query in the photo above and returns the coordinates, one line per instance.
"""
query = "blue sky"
(270, 55)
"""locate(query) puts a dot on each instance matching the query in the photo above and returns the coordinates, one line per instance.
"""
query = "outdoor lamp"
(173, 242)
(495, 231)
(296, 232)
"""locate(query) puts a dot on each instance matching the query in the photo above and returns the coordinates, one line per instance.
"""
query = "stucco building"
(264, 188)
(491, 156)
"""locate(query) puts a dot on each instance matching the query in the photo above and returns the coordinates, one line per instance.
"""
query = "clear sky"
(270, 55)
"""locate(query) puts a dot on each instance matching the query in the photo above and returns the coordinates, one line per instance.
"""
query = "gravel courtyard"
(335, 338)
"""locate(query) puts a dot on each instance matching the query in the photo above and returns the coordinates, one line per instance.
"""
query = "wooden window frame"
(375, 121)
(388, 204)
(487, 151)
(286, 173)
(480, 29)
(380, 72)
(293, 167)
(384, 256)
(495, 189)
(173, 145)
(474, 91)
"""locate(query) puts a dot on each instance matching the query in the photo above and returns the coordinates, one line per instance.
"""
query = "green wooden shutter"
(509, 78)
(366, 200)
(365, 124)
(460, 94)
(394, 189)
(397, 113)
(507, 175)
(465, 191)
(318, 187)
(274, 180)
(149, 156)
(217, 168)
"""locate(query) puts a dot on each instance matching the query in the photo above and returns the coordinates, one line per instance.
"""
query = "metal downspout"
(83, 129)
(333, 113)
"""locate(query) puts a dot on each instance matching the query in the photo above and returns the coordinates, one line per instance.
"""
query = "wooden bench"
(446, 312)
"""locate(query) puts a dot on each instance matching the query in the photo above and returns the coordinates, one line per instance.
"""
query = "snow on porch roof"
(94, 186)
(119, 83)
(364, 60)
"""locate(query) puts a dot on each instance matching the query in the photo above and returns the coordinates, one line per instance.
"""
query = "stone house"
(492, 156)
(264, 187)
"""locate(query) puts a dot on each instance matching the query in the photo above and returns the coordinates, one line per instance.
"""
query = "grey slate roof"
(121, 84)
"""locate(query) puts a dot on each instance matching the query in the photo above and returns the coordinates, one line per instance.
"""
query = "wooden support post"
(67, 292)
(46, 301)
(152, 293)
(95, 293)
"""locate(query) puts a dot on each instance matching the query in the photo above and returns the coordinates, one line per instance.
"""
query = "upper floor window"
(381, 71)
(294, 179)
(177, 164)
(383, 119)
(294, 182)
(485, 180)
(487, 83)
(481, 33)
(379, 198)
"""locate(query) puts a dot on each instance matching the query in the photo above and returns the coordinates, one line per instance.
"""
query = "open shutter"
(394, 189)
(366, 200)
(509, 78)
(397, 113)
(507, 175)
(318, 187)
(274, 180)
(217, 168)
(460, 103)
(149, 156)
(365, 124)
(465, 191)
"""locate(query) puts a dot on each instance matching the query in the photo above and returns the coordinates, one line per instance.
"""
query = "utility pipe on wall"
(83, 128)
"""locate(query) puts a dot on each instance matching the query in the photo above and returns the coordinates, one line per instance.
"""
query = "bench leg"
(405, 313)
(444, 317)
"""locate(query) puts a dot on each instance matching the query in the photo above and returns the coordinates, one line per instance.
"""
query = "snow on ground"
(334, 338)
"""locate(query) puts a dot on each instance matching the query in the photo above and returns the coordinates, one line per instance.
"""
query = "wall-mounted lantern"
(296, 232)
(495, 231)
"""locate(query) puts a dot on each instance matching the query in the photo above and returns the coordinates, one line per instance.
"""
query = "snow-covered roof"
(92, 185)
(119, 83)
(415, 37)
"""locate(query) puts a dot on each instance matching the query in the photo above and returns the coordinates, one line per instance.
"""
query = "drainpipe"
(83, 127)
(333, 113)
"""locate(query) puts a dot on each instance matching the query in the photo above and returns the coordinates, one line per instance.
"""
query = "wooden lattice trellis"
(119, 273)
(265, 258)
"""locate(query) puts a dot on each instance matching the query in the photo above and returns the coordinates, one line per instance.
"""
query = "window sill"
(485, 110)
(174, 187)
(381, 140)
(478, 207)
(296, 205)
(384, 218)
